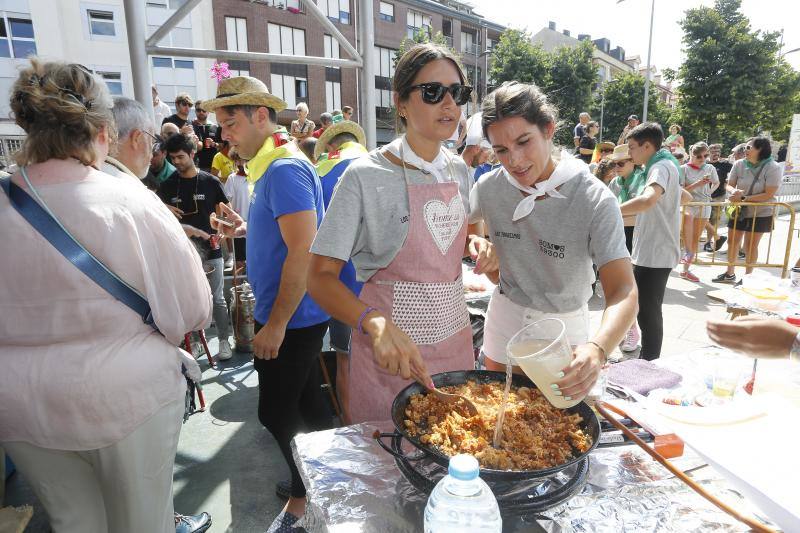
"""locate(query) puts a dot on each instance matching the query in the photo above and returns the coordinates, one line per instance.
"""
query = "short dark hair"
(763, 145)
(325, 118)
(307, 146)
(347, 109)
(179, 143)
(650, 132)
(248, 111)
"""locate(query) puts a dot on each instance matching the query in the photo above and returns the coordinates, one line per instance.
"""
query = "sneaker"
(742, 255)
(229, 264)
(192, 524)
(631, 340)
(707, 247)
(725, 278)
(283, 489)
(719, 243)
(689, 276)
(225, 351)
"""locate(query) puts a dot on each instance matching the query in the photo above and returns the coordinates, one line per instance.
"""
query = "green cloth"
(166, 171)
(632, 186)
(751, 166)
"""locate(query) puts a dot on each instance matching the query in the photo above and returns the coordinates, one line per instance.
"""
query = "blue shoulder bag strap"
(60, 238)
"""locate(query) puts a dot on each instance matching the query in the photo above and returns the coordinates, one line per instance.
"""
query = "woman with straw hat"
(400, 214)
(627, 185)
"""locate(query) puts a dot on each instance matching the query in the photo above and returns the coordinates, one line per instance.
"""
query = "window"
(184, 63)
(333, 95)
(239, 68)
(113, 82)
(384, 68)
(290, 89)
(236, 33)
(468, 43)
(387, 12)
(164, 62)
(336, 10)
(16, 37)
(286, 40)
(417, 21)
(284, 4)
(489, 44)
(101, 23)
(331, 48)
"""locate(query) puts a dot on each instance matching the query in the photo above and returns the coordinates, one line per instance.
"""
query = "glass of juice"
(541, 350)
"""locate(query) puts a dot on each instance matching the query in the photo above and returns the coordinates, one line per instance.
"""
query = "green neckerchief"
(632, 186)
(751, 166)
(661, 155)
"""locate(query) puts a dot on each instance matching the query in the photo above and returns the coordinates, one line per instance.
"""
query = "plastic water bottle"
(462, 502)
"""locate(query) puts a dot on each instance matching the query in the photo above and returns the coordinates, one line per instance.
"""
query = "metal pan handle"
(378, 436)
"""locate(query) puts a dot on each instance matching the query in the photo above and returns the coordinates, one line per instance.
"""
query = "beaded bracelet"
(364, 313)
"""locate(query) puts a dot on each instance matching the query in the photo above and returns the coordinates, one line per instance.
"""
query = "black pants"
(629, 238)
(652, 282)
(290, 397)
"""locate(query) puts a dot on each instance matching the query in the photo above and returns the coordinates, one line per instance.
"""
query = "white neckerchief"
(568, 167)
(400, 149)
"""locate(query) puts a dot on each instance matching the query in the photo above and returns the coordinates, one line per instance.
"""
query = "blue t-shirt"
(329, 181)
(480, 170)
(288, 186)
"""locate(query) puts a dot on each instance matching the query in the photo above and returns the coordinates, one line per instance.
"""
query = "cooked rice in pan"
(536, 435)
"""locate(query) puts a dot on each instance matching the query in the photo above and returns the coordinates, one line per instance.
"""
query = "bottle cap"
(463, 467)
(793, 320)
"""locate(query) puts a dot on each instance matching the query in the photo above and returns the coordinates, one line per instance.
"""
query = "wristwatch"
(794, 353)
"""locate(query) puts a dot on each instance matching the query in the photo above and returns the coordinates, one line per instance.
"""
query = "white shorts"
(698, 211)
(504, 319)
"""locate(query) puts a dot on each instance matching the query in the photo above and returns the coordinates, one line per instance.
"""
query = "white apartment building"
(93, 33)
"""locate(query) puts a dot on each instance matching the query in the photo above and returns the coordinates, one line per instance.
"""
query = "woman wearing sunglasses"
(400, 213)
(551, 220)
(756, 178)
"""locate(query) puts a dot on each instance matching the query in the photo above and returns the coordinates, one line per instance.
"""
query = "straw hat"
(605, 145)
(244, 90)
(621, 153)
(341, 126)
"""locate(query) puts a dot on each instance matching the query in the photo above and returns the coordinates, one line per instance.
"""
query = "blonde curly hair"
(62, 107)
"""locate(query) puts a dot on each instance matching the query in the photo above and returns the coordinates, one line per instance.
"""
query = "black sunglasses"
(433, 93)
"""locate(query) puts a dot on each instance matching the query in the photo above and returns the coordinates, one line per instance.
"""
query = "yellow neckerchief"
(348, 150)
(266, 155)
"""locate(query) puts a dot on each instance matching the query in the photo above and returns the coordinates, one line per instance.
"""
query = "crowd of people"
(334, 238)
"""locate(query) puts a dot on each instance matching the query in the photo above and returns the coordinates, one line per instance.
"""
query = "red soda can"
(214, 241)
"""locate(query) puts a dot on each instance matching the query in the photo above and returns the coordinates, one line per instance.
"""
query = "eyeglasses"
(620, 164)
(433, 93)
(156, 142)
(606, 151)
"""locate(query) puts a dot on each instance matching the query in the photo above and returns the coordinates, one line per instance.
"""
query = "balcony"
(471, 49)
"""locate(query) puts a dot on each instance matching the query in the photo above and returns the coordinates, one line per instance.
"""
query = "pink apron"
(422, 292)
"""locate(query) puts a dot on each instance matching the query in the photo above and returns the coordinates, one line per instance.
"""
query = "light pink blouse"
(78, 369)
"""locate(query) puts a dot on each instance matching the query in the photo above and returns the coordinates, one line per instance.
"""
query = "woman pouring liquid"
(400, 213)
(549, 219)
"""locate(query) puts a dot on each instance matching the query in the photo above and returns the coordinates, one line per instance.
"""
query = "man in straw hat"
(285, 209)
(344, 141)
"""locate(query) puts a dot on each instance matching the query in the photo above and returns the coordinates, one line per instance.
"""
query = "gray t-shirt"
(656, 239)
(546, 258)
(367, 219)
(692, 175)
(741, 177)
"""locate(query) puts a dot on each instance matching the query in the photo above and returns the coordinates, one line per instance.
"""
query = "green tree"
(565, 75)
(732, 82)
(621, 98)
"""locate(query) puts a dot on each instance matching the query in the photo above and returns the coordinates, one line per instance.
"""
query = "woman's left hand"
(482, 252)
(582, 372)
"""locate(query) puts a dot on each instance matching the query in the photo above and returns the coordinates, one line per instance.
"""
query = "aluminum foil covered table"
(355, 486)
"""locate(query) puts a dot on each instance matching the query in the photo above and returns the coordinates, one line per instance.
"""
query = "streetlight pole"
(649, 50)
